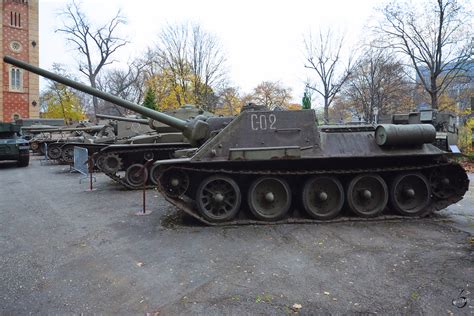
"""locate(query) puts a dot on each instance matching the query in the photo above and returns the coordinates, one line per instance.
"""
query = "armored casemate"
(280, 166)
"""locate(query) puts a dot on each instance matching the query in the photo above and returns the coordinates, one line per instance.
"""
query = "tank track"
(120, 180)
(297, 216)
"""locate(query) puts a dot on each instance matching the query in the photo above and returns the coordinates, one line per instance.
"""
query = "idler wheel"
(218, 198)
(110, 163)
(173, 182)
(136, 175)
(34, 146)
(54, 151)
(448, 181)
(148, 155)
(323, 197)
(269, 198)
(410, 194)
(67, 154)
(367, 195)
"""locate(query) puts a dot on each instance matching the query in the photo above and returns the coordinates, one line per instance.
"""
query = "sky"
(262, 39)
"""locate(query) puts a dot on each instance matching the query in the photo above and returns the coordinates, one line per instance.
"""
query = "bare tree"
(378, 84)
(271, 94)
(230, 102)
(207, 64)
(127, 84)
(323, 55)
(436, 38)
(95, 45)
(195, 61)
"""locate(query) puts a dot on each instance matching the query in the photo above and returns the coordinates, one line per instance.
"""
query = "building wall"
(19, 38)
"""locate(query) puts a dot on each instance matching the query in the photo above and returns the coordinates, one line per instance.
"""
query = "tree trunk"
(326, 111)
(433, 93)
(95, 102)
(434, 101)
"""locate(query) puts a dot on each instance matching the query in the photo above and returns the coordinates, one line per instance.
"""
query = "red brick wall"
(15, 102)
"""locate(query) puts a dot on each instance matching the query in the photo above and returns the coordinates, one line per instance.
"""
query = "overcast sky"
(263, 39)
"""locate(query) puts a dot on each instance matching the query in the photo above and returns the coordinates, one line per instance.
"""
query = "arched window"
(16, 79)
(15, 19)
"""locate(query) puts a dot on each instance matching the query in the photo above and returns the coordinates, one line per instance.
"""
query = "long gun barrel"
(94, 128)
(166, 119)
(121, 118)
(196, 130)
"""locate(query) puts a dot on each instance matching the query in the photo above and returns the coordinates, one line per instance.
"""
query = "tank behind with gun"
(54, 142)
(123, 160)
(444, 123)
(127, 158)
(280, 166)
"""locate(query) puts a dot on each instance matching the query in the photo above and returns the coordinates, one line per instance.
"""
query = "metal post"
(90, 164)
(142, 171)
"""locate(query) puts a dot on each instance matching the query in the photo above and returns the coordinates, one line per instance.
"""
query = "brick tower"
(19, 92)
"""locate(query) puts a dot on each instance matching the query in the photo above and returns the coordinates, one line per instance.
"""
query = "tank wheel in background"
(410, 193)
(148, 155)
(99, 162)
(41, 148)
(54, 152)
(34, 146)
(67, 154)
(269, 198)
(218, 198)
(110, 163)
(135, 175)
(24, 161)
(446, 181)
(367, 195)
(323, 197)
(173, 182)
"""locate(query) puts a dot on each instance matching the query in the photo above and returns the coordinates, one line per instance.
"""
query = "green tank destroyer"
(282, 167)
(12, 146)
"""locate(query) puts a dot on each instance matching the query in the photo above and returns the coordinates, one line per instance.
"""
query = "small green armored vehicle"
(12, 146)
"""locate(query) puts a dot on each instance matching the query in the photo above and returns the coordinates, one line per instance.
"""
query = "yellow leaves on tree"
(174, 91)
(294, 107)
(230, 102)
(61, 102)
(170, 93)
(465, 136)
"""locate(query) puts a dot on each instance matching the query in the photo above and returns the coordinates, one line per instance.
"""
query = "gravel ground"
(64, 249)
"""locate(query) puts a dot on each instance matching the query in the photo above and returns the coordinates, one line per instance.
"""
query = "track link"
(159, 152)
(188, 205)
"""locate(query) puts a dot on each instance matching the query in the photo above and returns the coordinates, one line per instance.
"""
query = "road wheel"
(218, 198)
(367, 195)
(54, 151)
(269, 198)
(410, 194)
(323, 197)
(136, 175)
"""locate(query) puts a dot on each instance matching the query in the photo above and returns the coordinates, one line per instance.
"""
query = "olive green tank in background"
(281, 167)
(12, 146)
(444, 123)
(148, 140)
(122, 160)
(52, 141)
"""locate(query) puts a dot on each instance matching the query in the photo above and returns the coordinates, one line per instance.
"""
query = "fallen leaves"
(296, 307)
